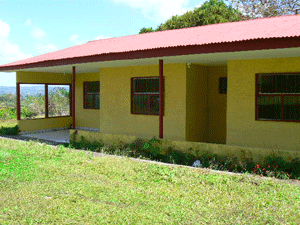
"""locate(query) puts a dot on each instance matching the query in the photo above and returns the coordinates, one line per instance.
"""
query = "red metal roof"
(255, 29)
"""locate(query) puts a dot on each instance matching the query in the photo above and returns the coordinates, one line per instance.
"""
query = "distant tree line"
(216, 11)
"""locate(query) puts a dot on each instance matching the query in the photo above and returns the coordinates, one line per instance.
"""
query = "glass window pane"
(146, 85)
(269, 107)
(292, 107)
(92, 87)
(140, 104)
(89, 101)
(58, 100)
(97, 101)
(154, 104)
(32, 101)
(284, 83)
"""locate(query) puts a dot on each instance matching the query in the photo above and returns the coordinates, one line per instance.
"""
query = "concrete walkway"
(61, 136)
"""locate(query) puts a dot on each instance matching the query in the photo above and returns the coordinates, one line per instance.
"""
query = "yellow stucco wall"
(206, 108)
(242, 129)
(116, 117)
(37, 77)
(196, 103)
(86, 117)
(216, 105)
(41, 124)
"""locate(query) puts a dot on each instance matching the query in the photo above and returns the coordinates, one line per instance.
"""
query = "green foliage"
(146, 30)
(8, 113)
(28, 112)
(211, 12)
(8, 106)
(59, 102)
(33, 106)
(273, 166)
(84, 144)
(42, 184)
(9, 130)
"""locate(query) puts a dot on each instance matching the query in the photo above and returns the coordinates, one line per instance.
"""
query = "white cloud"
(4, 30)
(74, 40)
(158, 10)
(9, 51)
(73, 37)
(28, 22)
(44, 48)
(101, 37)
(38, 33)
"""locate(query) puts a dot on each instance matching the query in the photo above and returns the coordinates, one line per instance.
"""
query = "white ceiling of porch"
(205, 59)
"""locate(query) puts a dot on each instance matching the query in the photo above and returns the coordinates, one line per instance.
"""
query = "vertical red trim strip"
(73, 96)
(18, 102)
(256, 96)
(46, 102)
(84, 95)
(132, 95)
(70, 99)
(282, 107)
(161, 98)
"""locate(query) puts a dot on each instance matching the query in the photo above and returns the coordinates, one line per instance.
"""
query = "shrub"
(9, 130)
(273, 166)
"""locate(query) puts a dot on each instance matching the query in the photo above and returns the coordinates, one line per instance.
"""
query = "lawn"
(8, 122)
(42, 184)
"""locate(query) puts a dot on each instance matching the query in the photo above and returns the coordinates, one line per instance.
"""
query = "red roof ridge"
(195, 27)
(276, 28)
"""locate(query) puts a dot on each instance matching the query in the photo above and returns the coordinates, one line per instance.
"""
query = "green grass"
(8, 122)
(42, 184)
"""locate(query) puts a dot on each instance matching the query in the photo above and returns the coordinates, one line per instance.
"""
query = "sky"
(30, 28)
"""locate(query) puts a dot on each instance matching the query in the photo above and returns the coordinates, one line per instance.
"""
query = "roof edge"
(245, 45)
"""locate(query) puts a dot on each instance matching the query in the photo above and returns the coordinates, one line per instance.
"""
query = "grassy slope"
(41, 184)
(8, 122)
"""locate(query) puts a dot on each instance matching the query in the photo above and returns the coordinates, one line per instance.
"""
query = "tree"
(146, 30)
(266, 8)
(212, 11)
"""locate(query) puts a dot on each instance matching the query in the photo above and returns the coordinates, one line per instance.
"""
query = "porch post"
(161, 98)
(18, 102)
(46, 102)
(73, 97)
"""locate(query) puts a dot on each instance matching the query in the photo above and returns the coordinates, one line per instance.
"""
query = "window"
(278, 97)
(145, 95)
(223, 85)
(32, 101)
(92, 95)
(38, 101)
(59, 100)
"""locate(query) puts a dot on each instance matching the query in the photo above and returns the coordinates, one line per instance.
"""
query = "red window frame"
(93, 94)
(144, 94)
(46, 100)
(281, 95)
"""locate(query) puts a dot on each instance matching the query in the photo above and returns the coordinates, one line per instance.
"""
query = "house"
(235, 83)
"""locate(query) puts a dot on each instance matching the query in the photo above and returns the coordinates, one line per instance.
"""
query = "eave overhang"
(239, 46)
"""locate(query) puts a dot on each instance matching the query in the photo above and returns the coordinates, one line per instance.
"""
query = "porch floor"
(61, 136)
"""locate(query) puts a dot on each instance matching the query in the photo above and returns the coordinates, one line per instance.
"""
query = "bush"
(274, 166)
(8, 113)
(9, 130)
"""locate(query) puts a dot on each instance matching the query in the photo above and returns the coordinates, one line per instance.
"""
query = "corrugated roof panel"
(264, 28)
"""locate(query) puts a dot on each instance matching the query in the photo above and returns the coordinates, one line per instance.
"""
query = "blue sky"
(29, 28)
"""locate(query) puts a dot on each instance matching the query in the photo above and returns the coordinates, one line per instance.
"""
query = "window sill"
(270, 120)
